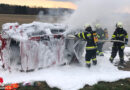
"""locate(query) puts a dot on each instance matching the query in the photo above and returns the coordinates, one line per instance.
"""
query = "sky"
(41, 3)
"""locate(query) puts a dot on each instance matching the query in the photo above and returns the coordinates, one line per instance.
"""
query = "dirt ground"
(21, 19)
(6, 18)
(126, 67)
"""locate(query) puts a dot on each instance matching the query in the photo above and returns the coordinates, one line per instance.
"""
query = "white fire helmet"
(119, 25)
(97, 26)
(87, 25)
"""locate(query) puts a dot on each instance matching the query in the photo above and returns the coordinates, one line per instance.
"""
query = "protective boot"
(94, 62)
(111, 59)
(97, 53)
(88, 65)
(101, 54)
(121, 62)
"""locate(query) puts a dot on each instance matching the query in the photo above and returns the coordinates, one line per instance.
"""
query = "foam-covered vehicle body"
(38, 45)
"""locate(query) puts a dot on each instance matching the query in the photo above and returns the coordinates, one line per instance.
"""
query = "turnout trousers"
(99, 47)
(120, 49)
(90, 55)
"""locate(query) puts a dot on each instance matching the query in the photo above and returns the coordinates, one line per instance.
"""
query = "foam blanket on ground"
(71, 77)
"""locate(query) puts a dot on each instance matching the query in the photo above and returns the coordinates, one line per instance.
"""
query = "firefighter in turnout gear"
(91, 46)
(101, 36)
(119, 34)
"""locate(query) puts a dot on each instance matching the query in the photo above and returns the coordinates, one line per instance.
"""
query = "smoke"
(104, 12)
(50, 17)
(40, 16)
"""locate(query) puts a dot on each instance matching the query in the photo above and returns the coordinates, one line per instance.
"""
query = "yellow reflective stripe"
(101, 53)
(88, 35)
(111, 57)
(92, 47)
(113, 36)
(88, 62)
(83, 35)
(79, 35)
(94, 59)
(98, 36)
(121, 34)
(122, 47)
(118, 35)
(126, 36)
(97, 51)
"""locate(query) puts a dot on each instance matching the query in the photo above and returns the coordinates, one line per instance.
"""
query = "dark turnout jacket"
(100, 33)
(120, 34)
(88, 36)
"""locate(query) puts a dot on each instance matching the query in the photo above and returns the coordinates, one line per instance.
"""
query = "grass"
(42, 86)
(118, 85)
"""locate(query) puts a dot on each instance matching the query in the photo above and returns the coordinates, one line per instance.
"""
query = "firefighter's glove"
(76, 37)
(112, 39)
(126, 42)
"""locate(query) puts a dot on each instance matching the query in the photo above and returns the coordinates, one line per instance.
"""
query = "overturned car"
(38, 45)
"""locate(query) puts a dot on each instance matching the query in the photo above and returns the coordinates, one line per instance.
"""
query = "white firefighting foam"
(67, 77)
(46, 51)
(70, 77)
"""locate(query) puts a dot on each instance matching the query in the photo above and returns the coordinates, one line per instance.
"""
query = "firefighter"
(119, 34)
(101, 36)
(91, 47)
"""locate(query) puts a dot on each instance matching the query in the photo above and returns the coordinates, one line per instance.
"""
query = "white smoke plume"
(104, 12)
(40, 16)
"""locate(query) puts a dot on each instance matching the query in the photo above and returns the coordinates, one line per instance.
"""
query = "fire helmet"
(97, 26)
(87, 25)
(119, 25)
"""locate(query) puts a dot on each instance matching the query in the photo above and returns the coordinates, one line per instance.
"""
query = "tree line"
(14, 9)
